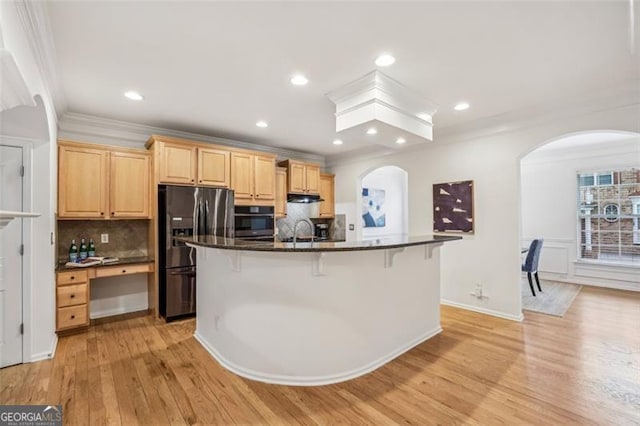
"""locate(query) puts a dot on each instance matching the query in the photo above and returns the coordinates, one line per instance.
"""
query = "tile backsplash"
(296, 211)
(127, 238)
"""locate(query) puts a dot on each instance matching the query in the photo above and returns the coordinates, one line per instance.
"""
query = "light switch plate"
(352, 227)
(104, 238)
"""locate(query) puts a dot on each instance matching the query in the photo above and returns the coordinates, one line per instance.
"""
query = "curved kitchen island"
(315, 313)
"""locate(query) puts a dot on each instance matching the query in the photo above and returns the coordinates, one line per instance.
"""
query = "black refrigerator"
(185, 211)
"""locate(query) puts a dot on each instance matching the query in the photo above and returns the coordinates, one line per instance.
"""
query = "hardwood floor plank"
(581, 369)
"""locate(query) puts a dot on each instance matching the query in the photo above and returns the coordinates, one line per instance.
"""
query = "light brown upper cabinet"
(97, 181)
(129, 176)
(251, 174)
(214, 167)
(327, 189)
(191, 163)
(281, 192)
(253, 178)
(177, 163)
(302, 178)
(82, 182)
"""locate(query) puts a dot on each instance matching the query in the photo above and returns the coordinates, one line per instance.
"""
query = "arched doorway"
(568, 186)
(383, 201)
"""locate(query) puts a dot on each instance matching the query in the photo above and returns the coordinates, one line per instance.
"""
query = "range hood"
(303, 198)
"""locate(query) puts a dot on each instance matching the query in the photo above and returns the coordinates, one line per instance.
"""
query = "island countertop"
(382, 243)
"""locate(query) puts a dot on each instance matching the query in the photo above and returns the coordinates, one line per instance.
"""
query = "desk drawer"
(112, 271)
(70, 295)
(72, 277)
(72, 316)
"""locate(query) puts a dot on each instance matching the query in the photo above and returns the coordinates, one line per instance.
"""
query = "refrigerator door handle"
(206, 217)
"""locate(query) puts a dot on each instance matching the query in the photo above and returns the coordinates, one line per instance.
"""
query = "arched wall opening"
(382, 202)
(551, 204)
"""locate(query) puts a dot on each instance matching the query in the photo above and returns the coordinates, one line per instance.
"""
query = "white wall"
(549, 210)
(39, 315)
(394, 182)
(118, 295)
(491, 256)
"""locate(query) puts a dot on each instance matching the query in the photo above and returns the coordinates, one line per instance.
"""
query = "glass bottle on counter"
(83, 249)
(91, 251)
(73, 252)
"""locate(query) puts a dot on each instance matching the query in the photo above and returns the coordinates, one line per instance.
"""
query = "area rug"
(555, 298)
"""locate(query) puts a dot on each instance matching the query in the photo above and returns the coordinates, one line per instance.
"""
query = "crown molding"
(88, 128)
(616, 98)
(34, 17)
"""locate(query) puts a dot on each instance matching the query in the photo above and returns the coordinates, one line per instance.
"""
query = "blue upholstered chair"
(530, 265)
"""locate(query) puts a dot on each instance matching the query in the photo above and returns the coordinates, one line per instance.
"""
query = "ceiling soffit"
(380, 101)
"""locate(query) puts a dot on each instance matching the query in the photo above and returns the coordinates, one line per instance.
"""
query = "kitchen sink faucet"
(295, 228)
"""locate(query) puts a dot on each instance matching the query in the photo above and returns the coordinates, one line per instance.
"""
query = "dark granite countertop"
(121, 261)
(276, 246)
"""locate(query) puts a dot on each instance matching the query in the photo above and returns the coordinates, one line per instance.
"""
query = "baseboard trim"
(120, 317)
(518, 318)
(612, 285)
(315, 380)
(117, 311)
(47, 354)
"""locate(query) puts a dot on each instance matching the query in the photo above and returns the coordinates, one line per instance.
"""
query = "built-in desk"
(73, 289)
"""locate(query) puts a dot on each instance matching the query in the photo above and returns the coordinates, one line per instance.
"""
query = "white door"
(10, 257)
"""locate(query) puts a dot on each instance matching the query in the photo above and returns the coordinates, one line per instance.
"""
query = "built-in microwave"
(254, 222)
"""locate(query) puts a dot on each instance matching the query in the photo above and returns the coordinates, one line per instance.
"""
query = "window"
(590, 179)
(610, 212)
(609, 216)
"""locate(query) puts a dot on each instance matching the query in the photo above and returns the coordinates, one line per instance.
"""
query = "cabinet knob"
(72, 296)
(257, 195)
(73, 316)
(113, 214)
(124, 271)
(72, 277)
(200, 180)
(101, 213)
(193, 180)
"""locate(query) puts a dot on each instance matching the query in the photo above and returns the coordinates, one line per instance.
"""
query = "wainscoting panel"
(555, 257)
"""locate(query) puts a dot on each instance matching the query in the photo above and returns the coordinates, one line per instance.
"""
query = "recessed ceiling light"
(385, 60)
(400, 141)
(337, 142)
(372, 131)
(134, 96)
(262, 123)
(299, 80)
(461, 106)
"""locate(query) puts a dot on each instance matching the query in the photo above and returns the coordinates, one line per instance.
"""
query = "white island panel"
(270, 316)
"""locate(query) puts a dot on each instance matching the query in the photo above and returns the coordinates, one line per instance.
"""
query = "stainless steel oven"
(254, 222)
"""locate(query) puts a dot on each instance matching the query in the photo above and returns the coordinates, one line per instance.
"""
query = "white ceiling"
(216, 68)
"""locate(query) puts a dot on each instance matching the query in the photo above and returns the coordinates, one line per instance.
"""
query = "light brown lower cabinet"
(73, 292)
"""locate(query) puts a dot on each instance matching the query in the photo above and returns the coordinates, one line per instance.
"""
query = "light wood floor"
(580, 369)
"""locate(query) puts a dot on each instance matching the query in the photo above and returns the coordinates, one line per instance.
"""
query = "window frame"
(592, 202)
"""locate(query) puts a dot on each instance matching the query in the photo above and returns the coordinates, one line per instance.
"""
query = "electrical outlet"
(104, 238)
(479, 293)
(351, 227)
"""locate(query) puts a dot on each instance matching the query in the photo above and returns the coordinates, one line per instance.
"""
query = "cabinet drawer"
(72, 316)
(112, 271)
(72, 277)
(70, 295)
